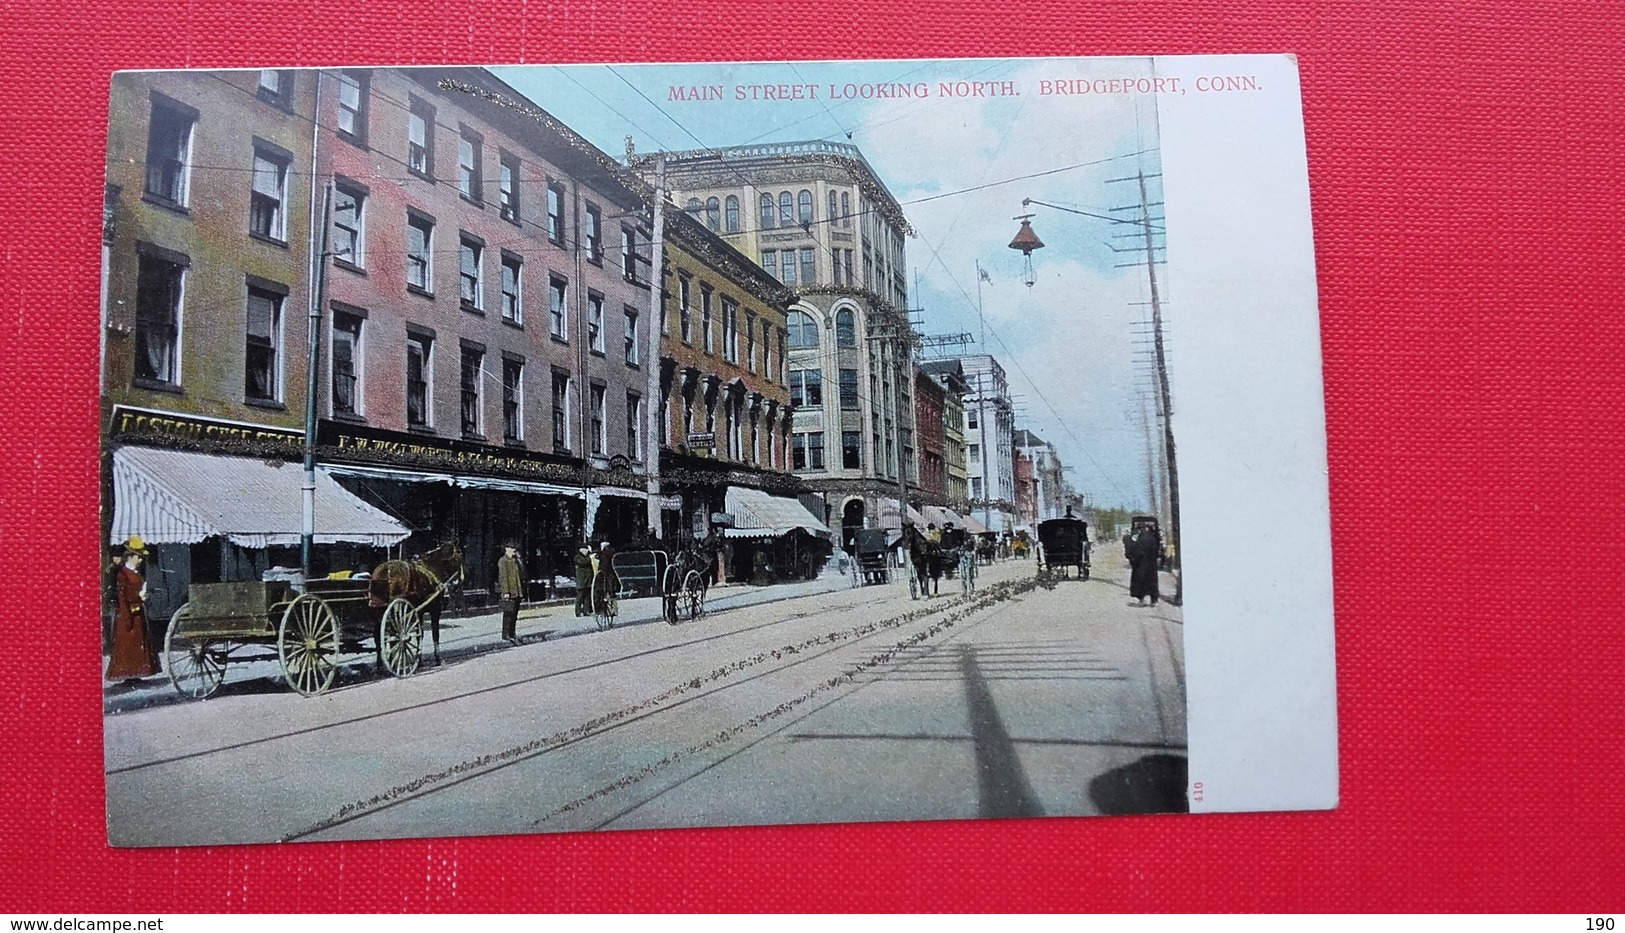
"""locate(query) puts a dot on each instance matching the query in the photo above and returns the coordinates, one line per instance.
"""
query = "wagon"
(305, 632)
(870, 548)
(1063, 543)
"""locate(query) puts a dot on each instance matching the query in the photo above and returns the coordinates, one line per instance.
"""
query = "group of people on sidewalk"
(595, 575)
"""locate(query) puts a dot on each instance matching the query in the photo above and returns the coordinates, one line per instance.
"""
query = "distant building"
(1050, 494)
(950, 375)
(929, 402)
(816, 216)
(989, 426)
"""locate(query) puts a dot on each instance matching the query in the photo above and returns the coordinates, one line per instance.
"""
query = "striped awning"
(760, 515)
(179, 497)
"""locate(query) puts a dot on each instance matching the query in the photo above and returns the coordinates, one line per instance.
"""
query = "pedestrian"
(510, 589)
(584, 571)
(133, 654)
(967, 568)
(604, 583)
(1144, 554)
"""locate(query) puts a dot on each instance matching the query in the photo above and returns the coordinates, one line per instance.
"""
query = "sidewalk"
(466, 637)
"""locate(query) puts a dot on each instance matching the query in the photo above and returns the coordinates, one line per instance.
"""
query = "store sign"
(705, 440)
(132, 423)
(671, 502)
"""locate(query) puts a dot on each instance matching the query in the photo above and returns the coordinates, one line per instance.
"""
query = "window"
(470, 273)
(419, 379)
(804, 207)
(767, 349)
(472, 372)
(262, 377)
(513, 400)
(561, 411)
(595, 238)
(976, 487)
(770, 262)
(634, 425)
(693, 208)
(419, 252)
(835, 266)
(834, 212)
(846, 209)
(597, 394)
(806, 388)
(846, 329)
(632, 349)
(849, 388)
(730, 330)
(685, 309)
(276, 87)
(705, 317)
(713, 214)
(808, 451)
(353, 87)
(470, 175)
(629, 254)
(158, 291)
(508, 187)
(787, 267)
(808, 275)
(846, 266)
(420, 139)
(736, 426)
(766, 211)
(267, 214)
(803, 330)
(555, 213)
(555, 308)
(975, 451)
(787, 209)
(169, 147)
(730, 215)
(346, 363)
(595, 323)
(970, 418)
(851, 448)
(784, 378)
(349, 246)
(513, 307)
(750, 341)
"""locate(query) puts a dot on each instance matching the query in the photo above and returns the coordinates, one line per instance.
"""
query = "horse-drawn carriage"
(1063, 543)
(681, 582)
(309, 629)
(870, 548)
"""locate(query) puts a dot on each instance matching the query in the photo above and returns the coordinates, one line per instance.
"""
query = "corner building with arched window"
(816, 217)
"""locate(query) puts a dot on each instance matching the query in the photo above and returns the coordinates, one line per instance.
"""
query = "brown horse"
(420, 581)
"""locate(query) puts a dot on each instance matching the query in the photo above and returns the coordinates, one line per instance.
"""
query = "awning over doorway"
(760, 515)
(180, 497)
(532, 487)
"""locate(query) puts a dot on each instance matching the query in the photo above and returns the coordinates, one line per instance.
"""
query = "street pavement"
(814, 703)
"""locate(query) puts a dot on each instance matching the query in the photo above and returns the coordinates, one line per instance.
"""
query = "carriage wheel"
(308, 645)
(196, 666)
(671, 595)
(400, 638)
(694, 594)
(603, 604)
(914, 584)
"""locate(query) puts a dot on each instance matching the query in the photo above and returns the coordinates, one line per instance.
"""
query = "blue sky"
(1069, 343)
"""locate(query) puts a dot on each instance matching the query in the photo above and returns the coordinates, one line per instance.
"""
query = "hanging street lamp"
(1027, 241)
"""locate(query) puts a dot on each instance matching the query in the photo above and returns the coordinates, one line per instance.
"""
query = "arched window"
(731, 214)
(713, 214)
(693, 208)
(804, 205)
(767, 210)
(846, 209)
(834, 212)
(787, 209)
(846, 328)
(803, 330)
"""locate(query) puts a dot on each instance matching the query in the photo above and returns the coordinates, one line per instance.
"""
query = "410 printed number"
(1599, 923)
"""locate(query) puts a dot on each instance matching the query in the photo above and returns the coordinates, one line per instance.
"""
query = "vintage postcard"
(534, 449)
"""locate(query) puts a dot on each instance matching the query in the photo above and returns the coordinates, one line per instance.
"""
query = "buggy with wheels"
(1063, 543)
(684, 584)
(869, 546)
(305, 632)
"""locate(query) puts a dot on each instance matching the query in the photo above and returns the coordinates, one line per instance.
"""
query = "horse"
(420, 581)
(926, 556)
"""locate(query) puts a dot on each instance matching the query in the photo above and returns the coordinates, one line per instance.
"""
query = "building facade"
(817, 218)
(989, 430)
(950, 375)
(1049, 495)
(929, 402)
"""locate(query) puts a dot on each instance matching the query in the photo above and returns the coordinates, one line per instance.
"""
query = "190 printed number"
(1196, 797)
(1599, 923)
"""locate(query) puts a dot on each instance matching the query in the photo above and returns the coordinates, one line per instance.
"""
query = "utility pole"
(657, 290)
(307, 526)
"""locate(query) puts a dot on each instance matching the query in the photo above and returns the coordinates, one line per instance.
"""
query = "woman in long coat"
(133, 653)
(1144, 552)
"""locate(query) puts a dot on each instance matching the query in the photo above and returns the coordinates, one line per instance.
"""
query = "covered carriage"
(1063, 543)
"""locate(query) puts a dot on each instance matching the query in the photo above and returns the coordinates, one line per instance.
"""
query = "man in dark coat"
(510, 589)
(584, 581)
(1144, 552)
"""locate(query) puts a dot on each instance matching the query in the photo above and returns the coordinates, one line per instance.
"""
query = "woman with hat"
(133, 654)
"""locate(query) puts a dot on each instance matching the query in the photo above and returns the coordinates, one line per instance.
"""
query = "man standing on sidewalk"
(510, 589)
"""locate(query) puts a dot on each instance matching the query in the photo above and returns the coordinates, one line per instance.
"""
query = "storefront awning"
(760, 515)
(975, 527)
(464, 482)
(179, 497)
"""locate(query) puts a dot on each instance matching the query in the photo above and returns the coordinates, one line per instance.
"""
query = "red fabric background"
(1466, 164)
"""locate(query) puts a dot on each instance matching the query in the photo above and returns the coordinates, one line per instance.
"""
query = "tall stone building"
(989, 430)
(818, 218)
